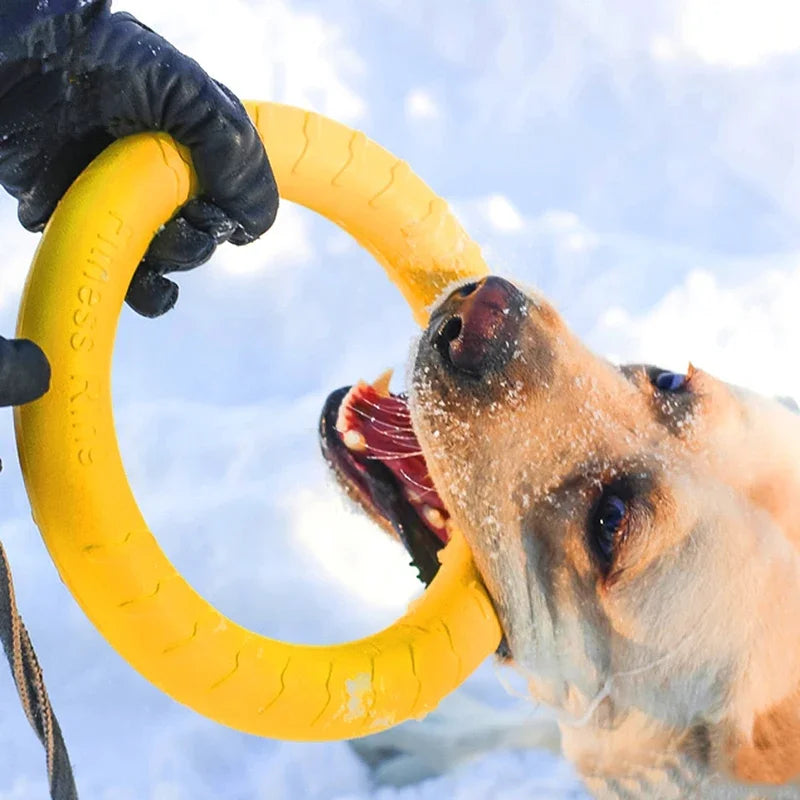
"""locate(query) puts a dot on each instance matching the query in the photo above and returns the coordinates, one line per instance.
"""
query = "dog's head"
(638, 530)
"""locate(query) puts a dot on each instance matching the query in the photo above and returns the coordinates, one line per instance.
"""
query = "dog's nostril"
(448, 332)
(473, 327)
(467, 289)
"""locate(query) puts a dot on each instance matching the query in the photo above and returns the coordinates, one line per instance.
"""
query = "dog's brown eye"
(607, 525)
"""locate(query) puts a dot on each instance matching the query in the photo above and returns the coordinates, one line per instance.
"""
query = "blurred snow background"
(636, 161)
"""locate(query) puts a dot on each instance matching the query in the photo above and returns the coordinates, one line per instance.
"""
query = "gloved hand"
(115, 77)
(24, 372)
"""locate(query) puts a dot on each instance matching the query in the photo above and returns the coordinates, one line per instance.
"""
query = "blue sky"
(637, 162)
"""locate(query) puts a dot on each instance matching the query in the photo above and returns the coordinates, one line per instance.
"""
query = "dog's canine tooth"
(381, 383)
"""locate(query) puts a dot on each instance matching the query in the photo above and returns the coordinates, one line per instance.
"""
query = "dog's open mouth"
(367, 438)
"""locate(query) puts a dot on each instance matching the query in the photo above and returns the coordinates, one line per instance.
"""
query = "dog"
(638, 531)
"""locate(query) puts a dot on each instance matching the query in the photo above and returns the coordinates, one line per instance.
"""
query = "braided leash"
(30, 687)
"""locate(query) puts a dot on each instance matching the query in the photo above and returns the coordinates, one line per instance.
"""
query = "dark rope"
(30, 687)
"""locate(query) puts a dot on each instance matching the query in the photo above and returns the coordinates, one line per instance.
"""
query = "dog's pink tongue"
(376, 425)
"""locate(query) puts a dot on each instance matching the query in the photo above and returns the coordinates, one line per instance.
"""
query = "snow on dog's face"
(637, 530)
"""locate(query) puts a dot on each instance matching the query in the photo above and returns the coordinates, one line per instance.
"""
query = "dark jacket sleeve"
(31, 31)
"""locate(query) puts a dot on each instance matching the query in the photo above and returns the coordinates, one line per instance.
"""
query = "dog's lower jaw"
(674, 778)
(677, 778)
(636, 759)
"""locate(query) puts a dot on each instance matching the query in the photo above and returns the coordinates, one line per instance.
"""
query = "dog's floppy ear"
(771, 753)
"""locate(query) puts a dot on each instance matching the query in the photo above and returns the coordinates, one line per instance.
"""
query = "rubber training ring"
(80, 495)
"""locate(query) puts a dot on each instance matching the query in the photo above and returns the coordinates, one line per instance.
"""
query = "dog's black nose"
(476, 328)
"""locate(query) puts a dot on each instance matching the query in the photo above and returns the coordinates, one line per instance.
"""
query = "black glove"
(24, 372)
(115, 77)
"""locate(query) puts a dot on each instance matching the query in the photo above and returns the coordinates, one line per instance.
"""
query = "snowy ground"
(636, 161)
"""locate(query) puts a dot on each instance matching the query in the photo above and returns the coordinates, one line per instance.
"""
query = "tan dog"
(639, 533)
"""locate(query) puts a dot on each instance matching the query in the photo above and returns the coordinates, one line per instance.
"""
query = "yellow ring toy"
(80, 496)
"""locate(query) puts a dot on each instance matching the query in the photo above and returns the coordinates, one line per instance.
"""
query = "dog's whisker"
(380, 422)
(383, 455)
(401, 412)
(400, 450)
(508, 688)
(594, 704)
(400, 436)
(418, 485)
(605, 689)
(399, 404)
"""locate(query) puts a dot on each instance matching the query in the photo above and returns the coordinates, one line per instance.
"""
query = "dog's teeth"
(433, 516)
(381, 384)
(354, 440)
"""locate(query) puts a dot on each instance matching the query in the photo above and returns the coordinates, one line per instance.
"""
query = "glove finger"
(184, 243)
(258, 213)
(178, 247)
(24, 372)
(240, 236)
(149, 293)
(205, 216)
(227, 153)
